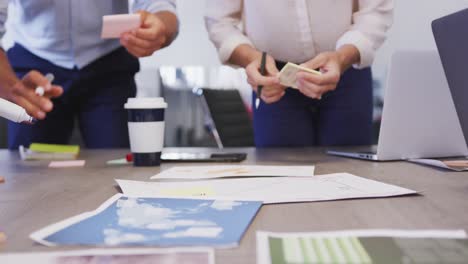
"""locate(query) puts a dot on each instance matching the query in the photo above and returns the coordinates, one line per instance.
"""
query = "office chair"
(228, 119)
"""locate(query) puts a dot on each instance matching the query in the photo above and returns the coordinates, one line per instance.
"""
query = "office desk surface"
(35, 196)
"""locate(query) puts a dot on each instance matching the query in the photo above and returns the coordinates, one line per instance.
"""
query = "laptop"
(451, 35)
(419, 119)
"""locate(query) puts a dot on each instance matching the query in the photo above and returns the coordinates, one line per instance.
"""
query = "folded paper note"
(114, 26)
(288, 74)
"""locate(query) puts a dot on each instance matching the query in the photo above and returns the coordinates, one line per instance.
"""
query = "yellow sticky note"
(192, 191)
(52, 148)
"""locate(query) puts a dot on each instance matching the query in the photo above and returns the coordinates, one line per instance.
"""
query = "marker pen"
(40, 90)
(15, 113)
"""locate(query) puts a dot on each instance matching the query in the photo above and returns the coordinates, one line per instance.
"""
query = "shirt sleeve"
(3, 17)
(154, 6)
(223, 20)
(371, 22)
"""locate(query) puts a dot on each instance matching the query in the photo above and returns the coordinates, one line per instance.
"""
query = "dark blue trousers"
(94, 95)
(342, 118)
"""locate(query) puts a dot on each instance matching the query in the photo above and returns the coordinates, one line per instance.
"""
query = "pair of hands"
(150, 37)
(314, 86)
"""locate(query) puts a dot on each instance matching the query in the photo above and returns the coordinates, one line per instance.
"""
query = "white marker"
(15, 112)
(40, 90)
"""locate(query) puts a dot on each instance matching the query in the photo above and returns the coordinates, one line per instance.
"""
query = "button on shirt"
(297, 30)
(67, 32)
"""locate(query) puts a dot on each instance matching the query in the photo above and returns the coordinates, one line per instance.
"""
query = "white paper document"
(337, 186)
(363, 246)
(115, 256)
(212, 172)
(449, 165)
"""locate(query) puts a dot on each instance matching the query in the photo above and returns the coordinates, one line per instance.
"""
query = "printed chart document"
(212, 172)
(363, 247)
(115, 256)
(269, 190)
(165, 222)
(454, 165)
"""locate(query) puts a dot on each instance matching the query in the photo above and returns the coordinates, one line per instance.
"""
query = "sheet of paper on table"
(163, 222)
(115, 256)
(212, 172)
(337, 186)
(454, 165)
(363, 246)
(113, 26)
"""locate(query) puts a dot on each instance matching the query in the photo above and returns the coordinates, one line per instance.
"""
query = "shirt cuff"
(230, 44)
(161, 6)
(362, 43)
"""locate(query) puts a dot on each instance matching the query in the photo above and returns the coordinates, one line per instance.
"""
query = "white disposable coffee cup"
(146, 129)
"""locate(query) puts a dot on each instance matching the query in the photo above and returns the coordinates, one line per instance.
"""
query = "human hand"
(314, 85)
(272, 90)
(23, 93)
(150, 37)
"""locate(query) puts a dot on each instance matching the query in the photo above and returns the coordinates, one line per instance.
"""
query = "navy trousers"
(342, 118)
(94, 95)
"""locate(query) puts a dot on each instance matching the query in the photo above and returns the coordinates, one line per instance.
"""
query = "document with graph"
(363, 247)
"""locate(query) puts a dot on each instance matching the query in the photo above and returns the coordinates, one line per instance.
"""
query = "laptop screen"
(451, 35)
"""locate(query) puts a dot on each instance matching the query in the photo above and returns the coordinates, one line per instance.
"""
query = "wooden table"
(35, 196)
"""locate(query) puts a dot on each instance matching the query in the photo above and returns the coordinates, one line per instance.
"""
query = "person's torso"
(296, 30)
(66, 32)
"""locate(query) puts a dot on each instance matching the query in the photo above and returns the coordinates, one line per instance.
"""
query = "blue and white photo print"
(124, 221)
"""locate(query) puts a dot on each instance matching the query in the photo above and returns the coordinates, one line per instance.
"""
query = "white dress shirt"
(3, 17)
(68, 32)
(297, 30)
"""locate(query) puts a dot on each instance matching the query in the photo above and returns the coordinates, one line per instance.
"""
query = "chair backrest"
(231, 124)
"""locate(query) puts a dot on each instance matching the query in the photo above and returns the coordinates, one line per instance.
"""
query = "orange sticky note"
(3, 238)
(114, 26)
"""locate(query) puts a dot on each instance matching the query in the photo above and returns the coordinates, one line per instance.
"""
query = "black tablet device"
(202, 157)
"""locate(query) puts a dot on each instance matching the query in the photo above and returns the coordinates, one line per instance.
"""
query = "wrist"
(347, 56)
(168, 24)
(244, 54)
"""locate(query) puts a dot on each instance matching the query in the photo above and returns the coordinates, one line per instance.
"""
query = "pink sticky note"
(67, 164)
(115, 25)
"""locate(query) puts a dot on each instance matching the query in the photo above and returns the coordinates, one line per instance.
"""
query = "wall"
(411, 30)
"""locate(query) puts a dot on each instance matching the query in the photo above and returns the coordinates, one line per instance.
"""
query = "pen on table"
(40, 90)
(260, 87)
